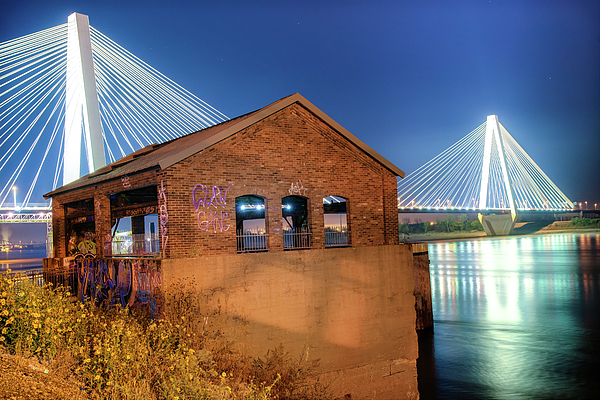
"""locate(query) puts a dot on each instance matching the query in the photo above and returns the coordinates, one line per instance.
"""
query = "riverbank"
(522, 229)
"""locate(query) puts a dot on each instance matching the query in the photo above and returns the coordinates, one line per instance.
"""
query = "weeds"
(118, 354)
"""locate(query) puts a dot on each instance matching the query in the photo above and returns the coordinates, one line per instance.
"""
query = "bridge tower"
(495, 224)
(82, 111)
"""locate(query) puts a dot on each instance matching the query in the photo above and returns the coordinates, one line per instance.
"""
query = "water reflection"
(22, 260)
(515, 317)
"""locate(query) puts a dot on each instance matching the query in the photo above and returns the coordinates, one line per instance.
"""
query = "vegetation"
(118, 354)
(450, 224)
(584, 223)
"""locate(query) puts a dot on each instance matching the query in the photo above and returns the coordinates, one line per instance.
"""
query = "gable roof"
(164, 155)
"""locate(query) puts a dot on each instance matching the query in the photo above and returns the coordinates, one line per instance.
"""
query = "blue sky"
(409, 78)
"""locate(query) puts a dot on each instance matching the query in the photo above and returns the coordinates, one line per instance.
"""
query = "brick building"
(286, 221)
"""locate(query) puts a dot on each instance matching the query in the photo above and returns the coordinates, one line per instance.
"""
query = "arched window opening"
(250, 224)
(336, 221)
(296, 234)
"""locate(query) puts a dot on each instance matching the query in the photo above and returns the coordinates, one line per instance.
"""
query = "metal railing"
(64, 277)
(139, 245)
(337, 238)
(250, 241)
(36, 276)
(298, 238)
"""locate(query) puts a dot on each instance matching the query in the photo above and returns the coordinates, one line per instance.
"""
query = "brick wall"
(100, 194)
(291, 149)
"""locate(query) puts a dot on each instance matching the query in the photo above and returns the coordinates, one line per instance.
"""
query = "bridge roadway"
(522, 214)
(33, 213)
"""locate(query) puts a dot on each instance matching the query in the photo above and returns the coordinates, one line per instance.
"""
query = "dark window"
(336, 221)
(296, 233)
(250, 224)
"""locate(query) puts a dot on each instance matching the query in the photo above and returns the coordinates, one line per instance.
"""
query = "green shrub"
(585, 222)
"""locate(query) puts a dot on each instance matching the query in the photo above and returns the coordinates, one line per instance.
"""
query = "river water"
(516, 317)
(22, 260)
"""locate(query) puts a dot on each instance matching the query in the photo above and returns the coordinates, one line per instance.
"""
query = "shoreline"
(438, 236)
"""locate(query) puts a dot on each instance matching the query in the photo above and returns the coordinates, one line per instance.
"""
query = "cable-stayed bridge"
(70, 94)
(486, 172)
(71, 100)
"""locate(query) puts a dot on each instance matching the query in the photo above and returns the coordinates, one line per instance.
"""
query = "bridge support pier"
(498, 224)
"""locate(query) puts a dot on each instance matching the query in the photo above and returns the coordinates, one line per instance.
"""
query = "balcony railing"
(251, 241)
(335, 238)
(139, 245)
(298, 238)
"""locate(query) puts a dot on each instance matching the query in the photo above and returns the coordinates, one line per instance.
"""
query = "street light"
(585, 205)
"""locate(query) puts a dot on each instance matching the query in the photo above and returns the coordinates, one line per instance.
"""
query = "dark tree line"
(450, 224)
(585, 222)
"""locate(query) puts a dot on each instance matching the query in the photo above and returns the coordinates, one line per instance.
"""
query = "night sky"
(409, 78)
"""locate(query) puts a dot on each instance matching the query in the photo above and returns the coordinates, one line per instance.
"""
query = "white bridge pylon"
(493, 136)
(486, 170)
(82, 116)
(70, 92)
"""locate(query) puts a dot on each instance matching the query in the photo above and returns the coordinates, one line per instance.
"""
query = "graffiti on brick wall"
(128, 283)
(163, 216)
(125, 181)
(297, 189)
(98, 209)
(210, 202)
(82, 243)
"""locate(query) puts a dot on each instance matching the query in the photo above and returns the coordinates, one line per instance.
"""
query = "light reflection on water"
(515, 317)
(22, 260)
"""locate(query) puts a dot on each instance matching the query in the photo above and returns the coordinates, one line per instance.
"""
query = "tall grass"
(118, 354)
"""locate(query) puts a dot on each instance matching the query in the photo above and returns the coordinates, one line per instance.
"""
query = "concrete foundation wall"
(497, 225)
(423, 302)
(352, 308)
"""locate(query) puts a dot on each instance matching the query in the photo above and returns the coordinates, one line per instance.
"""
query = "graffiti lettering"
(163, 218)
(97, 208)
(123, 282)
(297, 189)
(125, 181)
(216, 219)
(203, 198)
(200, 196)
(82, 246)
